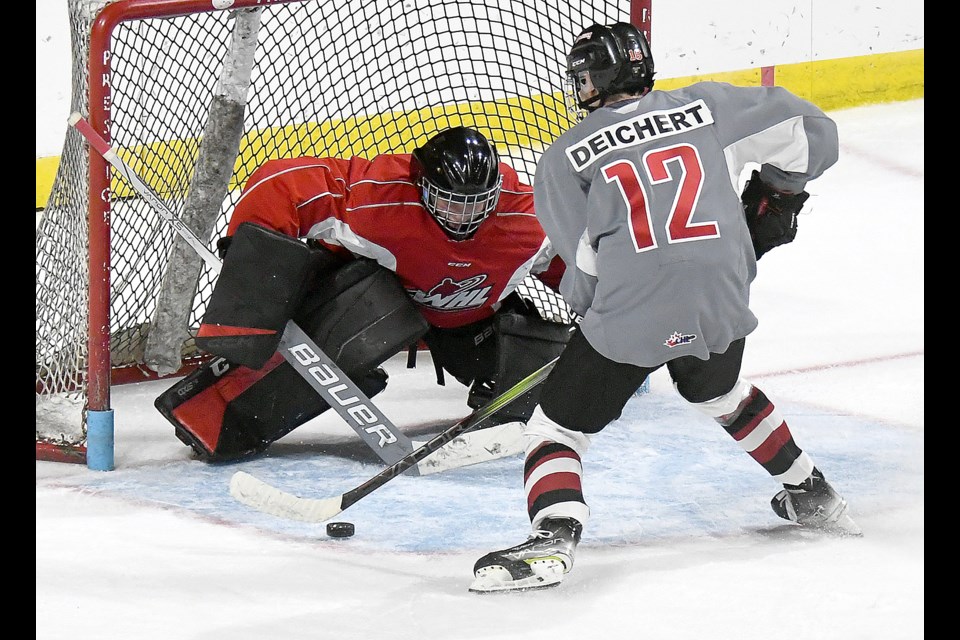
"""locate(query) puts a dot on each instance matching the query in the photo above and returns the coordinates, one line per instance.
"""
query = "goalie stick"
(303, 354)
(266, 498)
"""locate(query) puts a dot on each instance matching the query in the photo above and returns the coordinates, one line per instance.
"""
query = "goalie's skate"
(816, 505)
(540, 562)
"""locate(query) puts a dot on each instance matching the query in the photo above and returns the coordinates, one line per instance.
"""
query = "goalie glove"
(771, 215)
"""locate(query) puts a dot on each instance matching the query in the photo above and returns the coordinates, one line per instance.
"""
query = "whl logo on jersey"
(450, 295)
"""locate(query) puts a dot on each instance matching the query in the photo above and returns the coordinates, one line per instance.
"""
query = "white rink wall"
(690, 37)
(729, 36)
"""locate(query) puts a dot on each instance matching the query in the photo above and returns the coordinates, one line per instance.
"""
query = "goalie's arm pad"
(771, 214)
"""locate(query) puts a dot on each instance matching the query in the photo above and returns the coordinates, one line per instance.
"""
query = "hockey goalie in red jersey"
(389, 251)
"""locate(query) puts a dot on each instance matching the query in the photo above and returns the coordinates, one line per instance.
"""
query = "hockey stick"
(307, 359)
(110, 155)
(264, 497)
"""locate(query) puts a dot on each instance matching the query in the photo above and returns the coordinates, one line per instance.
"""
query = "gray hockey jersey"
(641, 200)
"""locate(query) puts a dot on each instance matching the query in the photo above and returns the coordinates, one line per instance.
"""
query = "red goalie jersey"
(373, 208)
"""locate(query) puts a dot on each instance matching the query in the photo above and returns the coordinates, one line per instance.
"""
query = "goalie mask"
(605, 61)
(458, 173)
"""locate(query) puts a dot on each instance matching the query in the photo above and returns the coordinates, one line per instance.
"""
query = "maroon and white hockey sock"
(552, 474)
(759, 428)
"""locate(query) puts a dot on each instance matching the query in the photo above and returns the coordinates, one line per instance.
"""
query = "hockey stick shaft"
(340, 392)
(268, 499)
(298, 349)
(469, 423)
(109, 154)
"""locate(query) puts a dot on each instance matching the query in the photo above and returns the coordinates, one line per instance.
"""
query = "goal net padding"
(194, 98)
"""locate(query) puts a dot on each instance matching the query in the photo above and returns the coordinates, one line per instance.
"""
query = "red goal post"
(195, 95)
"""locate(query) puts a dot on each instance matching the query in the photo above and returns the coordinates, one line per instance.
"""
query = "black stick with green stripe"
(268, 499)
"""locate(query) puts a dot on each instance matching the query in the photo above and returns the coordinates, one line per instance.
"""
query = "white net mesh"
(325, 79)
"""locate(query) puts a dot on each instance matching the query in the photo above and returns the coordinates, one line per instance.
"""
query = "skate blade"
(844, 526)
(498, 580)
(839, 525)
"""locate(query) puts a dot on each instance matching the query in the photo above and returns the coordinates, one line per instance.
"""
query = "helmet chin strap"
(605, 99)
(593, 103)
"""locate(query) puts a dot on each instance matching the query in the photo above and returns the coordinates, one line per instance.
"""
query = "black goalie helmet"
(458, 173)
(607, 60)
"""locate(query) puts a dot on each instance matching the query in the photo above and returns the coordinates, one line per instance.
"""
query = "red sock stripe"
(773, 444)
(554, 482)
(748, 428)
(533, 454)
(566, 452)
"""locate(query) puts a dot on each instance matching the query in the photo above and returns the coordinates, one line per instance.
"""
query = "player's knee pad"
(524, 344)
(540, 428)
(226, 411)
(721, 407)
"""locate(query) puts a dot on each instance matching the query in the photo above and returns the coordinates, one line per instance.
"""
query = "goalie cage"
(195, 95)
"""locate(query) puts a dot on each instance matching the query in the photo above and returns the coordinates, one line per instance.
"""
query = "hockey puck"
(340, 529)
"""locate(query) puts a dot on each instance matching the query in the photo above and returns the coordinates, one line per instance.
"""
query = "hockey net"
(195, 95)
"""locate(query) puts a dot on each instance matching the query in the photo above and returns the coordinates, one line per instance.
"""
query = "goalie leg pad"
(359, 315)
(262, 283)
(226, 411)
(467, 353)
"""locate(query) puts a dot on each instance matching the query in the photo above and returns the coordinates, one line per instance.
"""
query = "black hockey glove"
(771, 214)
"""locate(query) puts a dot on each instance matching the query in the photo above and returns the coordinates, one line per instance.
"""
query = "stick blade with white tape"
(266, 498)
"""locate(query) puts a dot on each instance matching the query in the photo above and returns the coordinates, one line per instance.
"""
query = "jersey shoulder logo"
(453, 295)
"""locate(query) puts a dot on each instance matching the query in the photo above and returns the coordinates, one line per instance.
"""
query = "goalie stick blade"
(475, 447)
(256, 493)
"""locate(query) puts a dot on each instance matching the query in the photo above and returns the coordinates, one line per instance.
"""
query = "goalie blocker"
(246, 398)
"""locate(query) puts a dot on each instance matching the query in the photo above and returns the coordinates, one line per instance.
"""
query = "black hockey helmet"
(610, 59)
(458, 173)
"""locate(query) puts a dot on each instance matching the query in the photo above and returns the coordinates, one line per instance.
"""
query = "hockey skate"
(540, 562)
(816, 505)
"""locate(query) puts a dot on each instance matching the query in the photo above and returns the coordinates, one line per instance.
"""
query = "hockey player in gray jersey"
(641, 200)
